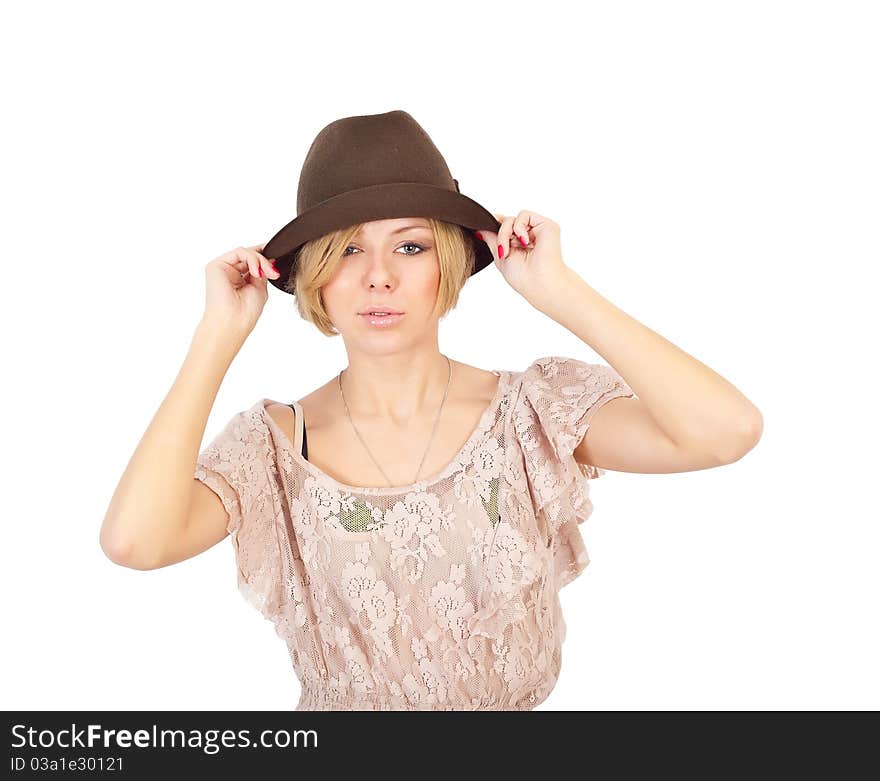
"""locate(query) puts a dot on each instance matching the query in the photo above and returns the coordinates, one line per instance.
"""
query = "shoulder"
(284, 417)
(474, 384)
(314, 406)
(561, 394)
(552, 365)
(562, 374)
(240, 447)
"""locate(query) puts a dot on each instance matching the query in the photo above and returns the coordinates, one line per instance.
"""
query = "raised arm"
(159, 513)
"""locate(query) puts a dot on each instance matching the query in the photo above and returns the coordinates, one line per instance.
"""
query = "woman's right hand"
(235, 291)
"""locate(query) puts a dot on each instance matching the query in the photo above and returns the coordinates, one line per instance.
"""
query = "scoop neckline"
(481, 427)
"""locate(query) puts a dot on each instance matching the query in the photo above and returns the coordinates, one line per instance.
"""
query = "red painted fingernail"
(523, 241)
(500, 251)
(260, 269)
(478, 235)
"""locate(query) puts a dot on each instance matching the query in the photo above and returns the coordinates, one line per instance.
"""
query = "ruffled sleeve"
(239, 466)
(557, 401)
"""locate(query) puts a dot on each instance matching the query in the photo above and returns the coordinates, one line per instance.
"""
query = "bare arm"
(159, 512)
(686, 416)
(151, 503)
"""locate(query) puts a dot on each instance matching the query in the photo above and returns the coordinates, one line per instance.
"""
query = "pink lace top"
(439, 595)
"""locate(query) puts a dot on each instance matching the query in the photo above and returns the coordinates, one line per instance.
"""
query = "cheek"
(428, 284)
(336, 293)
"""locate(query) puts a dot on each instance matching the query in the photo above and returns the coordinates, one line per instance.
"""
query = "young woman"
(408, 525)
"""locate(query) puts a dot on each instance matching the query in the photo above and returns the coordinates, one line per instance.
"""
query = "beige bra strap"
(298, 427)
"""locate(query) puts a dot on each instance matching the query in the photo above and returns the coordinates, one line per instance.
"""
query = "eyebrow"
(410, 227)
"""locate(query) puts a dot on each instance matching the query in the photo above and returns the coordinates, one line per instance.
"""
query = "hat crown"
(366, 150)
(374, 167)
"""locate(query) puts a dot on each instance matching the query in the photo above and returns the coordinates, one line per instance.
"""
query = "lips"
(381, 312)
(382, 321)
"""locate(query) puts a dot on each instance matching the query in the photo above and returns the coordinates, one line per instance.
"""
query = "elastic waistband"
(324, 699)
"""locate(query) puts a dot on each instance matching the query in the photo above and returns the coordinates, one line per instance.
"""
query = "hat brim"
(380, 202)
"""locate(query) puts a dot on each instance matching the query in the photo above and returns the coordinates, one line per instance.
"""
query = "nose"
(379, 274)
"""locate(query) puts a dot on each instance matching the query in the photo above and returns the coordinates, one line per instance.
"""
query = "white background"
(714, 169)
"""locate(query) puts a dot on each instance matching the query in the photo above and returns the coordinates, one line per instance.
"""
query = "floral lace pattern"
(441, 595)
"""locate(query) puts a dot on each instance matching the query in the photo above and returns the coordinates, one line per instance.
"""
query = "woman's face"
(390, 264)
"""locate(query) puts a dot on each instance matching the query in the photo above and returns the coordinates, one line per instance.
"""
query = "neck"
(398, 387)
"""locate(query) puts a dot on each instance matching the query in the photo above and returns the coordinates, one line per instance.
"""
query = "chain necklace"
(436, 420)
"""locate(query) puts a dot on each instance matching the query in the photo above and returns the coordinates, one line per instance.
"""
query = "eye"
(419, 247)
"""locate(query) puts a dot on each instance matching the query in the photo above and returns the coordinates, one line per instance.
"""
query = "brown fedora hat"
(374, 167)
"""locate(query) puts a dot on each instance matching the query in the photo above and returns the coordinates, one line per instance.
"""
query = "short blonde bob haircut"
(319, 257)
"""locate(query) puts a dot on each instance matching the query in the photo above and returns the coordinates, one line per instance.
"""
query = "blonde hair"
(319, 257)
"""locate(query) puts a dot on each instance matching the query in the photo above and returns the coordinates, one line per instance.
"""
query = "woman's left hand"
(528, 253)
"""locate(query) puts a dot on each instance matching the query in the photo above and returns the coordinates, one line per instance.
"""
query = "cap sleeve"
(558, 399)
(238, 465)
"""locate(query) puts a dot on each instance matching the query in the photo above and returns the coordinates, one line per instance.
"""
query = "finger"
(236, 255)
(494, 240)
(491, 238)
(258, 248)
(251, 259)
(521, 227)
(269, 269)
(258, 266)
(504, 233)
(501, 218)
(236, 259)
(268, 264)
